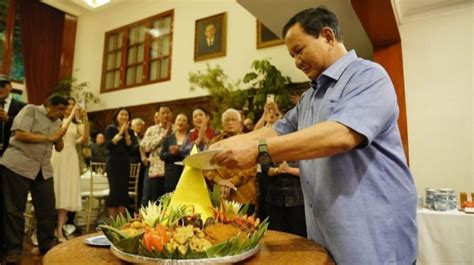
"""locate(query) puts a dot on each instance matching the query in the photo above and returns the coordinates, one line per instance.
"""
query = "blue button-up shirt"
(361, 204)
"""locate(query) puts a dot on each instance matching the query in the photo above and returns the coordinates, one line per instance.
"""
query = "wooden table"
(276, 248)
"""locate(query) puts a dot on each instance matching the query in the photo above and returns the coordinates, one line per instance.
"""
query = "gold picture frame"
(210, 37)
(266, 38)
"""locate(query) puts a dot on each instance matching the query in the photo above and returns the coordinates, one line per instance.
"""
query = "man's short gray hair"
(138, 121)
(231, 110)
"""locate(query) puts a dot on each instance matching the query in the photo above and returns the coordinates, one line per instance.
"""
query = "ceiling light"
(96, 3)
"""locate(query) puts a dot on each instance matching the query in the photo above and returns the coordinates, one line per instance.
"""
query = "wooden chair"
(96, 169)
(133, 184)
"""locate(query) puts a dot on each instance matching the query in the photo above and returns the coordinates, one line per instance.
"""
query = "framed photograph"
(266, 38)
(210, 37)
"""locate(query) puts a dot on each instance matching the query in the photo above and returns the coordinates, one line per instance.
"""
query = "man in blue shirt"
(360, 199)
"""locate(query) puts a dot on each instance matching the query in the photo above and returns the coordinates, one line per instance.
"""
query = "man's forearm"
(320, 140)
(28, 137)
(262, 133)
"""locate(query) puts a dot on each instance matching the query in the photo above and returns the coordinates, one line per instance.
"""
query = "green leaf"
(129, 244)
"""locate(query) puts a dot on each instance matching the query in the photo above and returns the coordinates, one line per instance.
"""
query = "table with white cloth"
(445, 237)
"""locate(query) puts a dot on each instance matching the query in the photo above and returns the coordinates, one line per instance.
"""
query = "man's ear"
(328, 34)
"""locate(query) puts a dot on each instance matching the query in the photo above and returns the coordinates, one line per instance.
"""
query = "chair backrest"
(133, 180)
(95, 169)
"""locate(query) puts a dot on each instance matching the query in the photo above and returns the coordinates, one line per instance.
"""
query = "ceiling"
(281, 10)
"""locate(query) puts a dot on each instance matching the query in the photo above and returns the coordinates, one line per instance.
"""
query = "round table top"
(276, 248)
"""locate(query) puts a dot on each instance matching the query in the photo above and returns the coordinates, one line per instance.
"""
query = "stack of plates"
(430, 198)
(441, 199)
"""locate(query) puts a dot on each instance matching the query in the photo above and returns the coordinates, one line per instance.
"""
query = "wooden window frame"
(146, 53)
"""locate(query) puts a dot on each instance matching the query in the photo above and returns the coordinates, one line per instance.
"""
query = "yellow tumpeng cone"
(192, 190)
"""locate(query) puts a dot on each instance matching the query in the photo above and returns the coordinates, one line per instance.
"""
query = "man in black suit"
(9, 108)
(211, 42)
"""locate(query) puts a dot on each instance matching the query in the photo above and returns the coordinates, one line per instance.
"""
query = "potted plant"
(69, 87)
(225, 92)
(266, 80)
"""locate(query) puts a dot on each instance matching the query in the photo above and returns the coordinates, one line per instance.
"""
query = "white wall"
(241, 48)
(438, 58)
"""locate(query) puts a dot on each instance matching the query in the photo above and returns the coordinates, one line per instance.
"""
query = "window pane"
(154, 49)
(132, 35)
(129, 77)
(109, 81)
(119, 40)
(118, 59)
(112, 42)
(164, 68)
(140, 55)
(166, 25)
(141, 33)
(131, 55)
(128, 70)
(139, 75)
(156, 31)
(165, 46)
(110, 61)
(117, 79)
(154, 70)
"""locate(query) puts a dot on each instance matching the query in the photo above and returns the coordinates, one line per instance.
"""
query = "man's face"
(99, 139)
(56, 112)
(165, 115)
(139, 128)
(231, 123)
(311, 54)
(248, 123)
(210, 31)
(5, 91)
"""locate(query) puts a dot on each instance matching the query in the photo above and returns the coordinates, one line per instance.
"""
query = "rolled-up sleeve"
(287, 124)
(24, 120)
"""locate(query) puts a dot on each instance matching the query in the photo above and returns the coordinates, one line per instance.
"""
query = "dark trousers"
(287, 219)
(2, 234)
(153, 188)
(262, 185)
(15, 193)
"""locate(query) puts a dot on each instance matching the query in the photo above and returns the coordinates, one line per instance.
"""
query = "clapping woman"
(201, 134)
(119, 140)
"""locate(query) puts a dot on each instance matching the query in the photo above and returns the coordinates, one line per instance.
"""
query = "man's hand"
(56, 135)
(3, 115)
(239, 152)
(226, 186)
(283, 168)
(145, 161)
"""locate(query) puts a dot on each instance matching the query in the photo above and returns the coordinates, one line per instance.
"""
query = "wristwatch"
(263, 157)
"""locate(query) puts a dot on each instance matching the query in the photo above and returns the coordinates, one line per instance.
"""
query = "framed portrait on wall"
(210, 37)
(266, 38)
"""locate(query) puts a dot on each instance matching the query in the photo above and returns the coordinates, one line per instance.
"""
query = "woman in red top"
(201, 134)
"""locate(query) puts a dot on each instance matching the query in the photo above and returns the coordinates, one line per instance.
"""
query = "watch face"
(264, 159)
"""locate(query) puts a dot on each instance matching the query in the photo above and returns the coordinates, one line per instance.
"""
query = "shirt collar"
(42, 109)
(336, 69)
(8, 99)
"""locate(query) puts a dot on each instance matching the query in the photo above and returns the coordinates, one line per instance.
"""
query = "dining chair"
(95, 193)
(133, 184)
